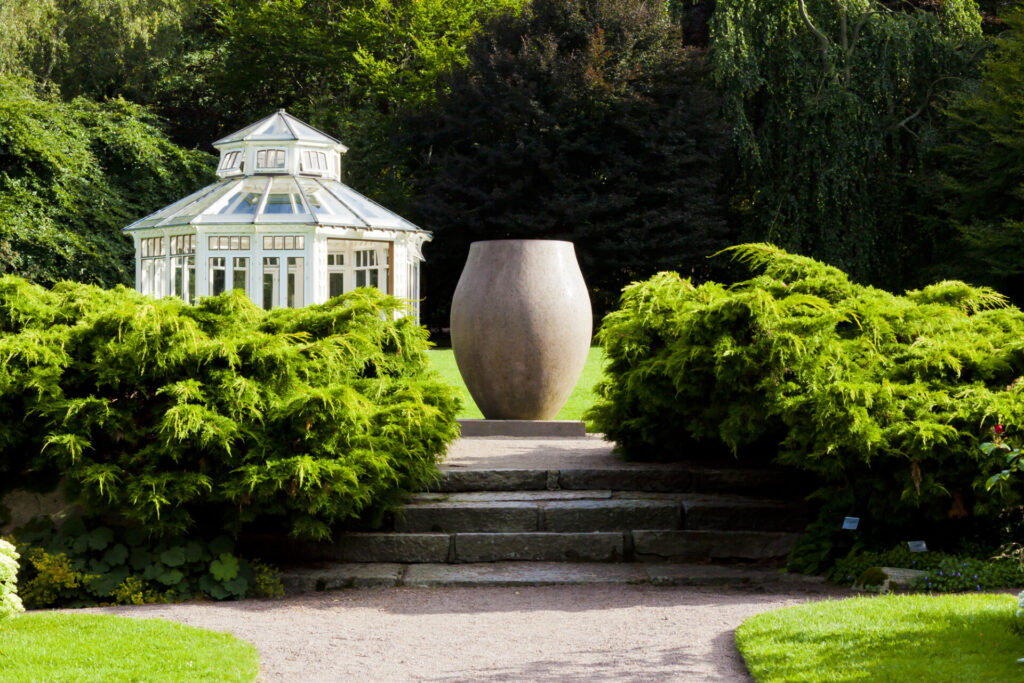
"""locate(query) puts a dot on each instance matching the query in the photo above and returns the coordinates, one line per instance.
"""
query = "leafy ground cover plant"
(10, 603)
(945, 573)
(208, 417)
(880, 396)
(85, 562)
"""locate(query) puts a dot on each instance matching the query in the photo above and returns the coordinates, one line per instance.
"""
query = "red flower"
(998, 429)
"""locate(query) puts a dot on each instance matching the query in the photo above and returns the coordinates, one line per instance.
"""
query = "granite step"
(676, 478)
(560, 511)
(711, 546)
(714, 512)
(656, 545)
(334, 576)
(541, 514)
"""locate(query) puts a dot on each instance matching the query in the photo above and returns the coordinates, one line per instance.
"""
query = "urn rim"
(522, 241)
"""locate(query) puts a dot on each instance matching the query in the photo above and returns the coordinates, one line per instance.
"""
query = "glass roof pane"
(276, 127)
(369, 211)
(241, 200)
(239, 134)
(191, 202)
(284, 198)
(279, 203)
(308, 132)
(327, 206)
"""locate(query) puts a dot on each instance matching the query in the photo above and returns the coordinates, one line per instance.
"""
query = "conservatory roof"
(279, 126)
(263, 199)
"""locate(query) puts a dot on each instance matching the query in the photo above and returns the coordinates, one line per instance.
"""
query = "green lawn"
(889, 638)
(581, 399)
(57, 647)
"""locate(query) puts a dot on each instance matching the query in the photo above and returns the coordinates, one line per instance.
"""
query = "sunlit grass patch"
(579, 402)
(63, 647)
(932, 638)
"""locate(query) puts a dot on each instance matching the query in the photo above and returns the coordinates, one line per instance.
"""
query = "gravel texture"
(545, 633)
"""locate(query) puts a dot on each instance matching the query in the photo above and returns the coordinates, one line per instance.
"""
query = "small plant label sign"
(850, 523)
(917, 546)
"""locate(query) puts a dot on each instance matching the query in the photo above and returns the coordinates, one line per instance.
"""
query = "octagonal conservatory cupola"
(278, 224)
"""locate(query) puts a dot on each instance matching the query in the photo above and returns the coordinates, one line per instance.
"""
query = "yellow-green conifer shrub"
(10, 603)
(219, 413)
(883, 397)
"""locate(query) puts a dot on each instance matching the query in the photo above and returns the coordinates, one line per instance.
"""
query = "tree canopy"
(346, 67)
(828, 103)
(72, 174)
(650, 133)
(981, 187)
(98, 48)
(583, 120)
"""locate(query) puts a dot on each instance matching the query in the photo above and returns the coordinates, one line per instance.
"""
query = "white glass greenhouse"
(278, 224)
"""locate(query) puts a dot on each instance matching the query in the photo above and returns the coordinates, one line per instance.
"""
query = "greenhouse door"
(284, 271)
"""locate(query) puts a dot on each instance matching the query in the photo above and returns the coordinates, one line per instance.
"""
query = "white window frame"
(348, 248)
(295, 272)
(314, 162)
(414, 288)
(229, 263)
(268, 305)
(338, 267)
(231, 161)
(284, 242)
(183, 258)
(264, 153)
(229, 243)
(153, 277)
(283, 247)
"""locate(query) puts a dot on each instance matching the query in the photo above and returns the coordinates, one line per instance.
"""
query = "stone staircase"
(506, 508)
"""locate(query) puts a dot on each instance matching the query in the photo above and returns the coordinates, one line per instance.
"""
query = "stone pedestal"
(524, 428)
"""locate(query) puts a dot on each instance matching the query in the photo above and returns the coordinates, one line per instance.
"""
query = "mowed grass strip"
(579, 402)
(59, 647)
(887, 638)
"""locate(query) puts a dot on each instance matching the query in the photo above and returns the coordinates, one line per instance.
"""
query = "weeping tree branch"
(822, 38)
(857, 28)
(924, 105)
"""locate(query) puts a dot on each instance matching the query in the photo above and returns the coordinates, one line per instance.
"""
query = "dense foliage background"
(72, 174)
(582, 121)
(880, 137)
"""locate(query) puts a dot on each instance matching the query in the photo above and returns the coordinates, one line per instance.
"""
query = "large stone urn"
(521, 327)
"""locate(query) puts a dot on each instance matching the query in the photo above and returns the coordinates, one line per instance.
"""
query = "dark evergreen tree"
(981, 187)
(582, 120)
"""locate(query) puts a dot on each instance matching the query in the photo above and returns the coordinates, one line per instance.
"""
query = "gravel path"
(545, 633)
